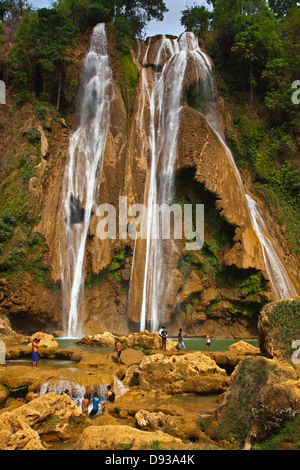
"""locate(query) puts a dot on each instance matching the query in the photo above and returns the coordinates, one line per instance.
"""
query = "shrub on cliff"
(257, 404)
(279, 327)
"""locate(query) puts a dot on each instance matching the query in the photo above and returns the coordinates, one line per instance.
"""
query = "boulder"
(46, 341)
(242, 348)
(263, 394)
(4, 393)
(278, 328)
(182, 425)
(49, 417)
(193, 372)
(235, 353)
(118, 437)
(146, 340)
(131, 356)
(101, 340)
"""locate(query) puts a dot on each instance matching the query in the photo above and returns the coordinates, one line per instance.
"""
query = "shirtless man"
(35, 352)
(119, 350)
(85, 404)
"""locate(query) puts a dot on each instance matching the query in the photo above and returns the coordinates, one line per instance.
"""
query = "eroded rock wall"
(218, 290)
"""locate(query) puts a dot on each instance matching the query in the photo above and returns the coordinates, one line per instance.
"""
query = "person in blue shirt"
(95, 401)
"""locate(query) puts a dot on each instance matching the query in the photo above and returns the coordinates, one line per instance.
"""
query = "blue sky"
(170, 25)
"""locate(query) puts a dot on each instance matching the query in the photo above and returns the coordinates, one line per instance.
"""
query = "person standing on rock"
(163, 334)
(208, 342)
(180, 339)
(119, 348)
(85, 404)
(35, 352)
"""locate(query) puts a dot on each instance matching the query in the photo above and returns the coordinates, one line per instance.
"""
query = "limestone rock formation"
(46, 341)
(192, 372)
(220, 289)
(272, 398)
(141, 340)
(26, 427)
(118, 437)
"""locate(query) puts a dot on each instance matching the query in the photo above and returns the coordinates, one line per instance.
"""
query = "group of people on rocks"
(87, 400)
(118, 345)
(110, 398)
(164, 334)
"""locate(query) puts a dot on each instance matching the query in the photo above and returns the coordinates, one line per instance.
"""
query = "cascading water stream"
(77, 391)
(164, 105)
(280, 281)
(164, 97)
(83, 174)
(282, 286)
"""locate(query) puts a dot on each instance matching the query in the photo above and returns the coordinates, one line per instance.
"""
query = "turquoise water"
(198, 344)
(192, 344)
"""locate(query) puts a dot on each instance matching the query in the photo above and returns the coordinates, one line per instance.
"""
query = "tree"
(281, 7)
(259, 42)
(11, 14)
(12, 10)
(196, 19)
(86, 13)
(39, 54)
(130, 15)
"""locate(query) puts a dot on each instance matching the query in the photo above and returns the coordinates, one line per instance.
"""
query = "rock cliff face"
(219, 289)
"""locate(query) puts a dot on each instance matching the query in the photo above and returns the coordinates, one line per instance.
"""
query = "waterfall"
(59, 386)
(281, 284)
(279, 278)
(77, 391)
(83, 174)
(164, 105)
(162, 94)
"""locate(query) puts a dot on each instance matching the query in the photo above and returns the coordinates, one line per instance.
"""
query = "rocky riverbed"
(164, 399)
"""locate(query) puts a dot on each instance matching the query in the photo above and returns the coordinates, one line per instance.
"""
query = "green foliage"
(33, 136)
(7, 226)
(40, 52)
(129, 15)
(111, 271)
(35, 241)
(288, 437)
(196, 19)
(248, 405)
(11, 11)
(86, 13)
(281, 7)
(284, 320)
(130, 75)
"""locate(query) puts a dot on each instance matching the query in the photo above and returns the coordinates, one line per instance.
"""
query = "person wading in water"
(35, 352)
(119, 348)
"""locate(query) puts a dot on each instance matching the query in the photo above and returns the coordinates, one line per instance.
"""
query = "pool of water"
(198, 344)
(192, 344)
(69, 343)
(51, 363)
